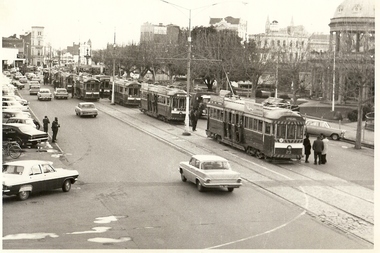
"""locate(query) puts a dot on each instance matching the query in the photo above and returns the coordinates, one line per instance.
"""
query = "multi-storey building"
(230, 23)
(159, 33)
(37, 56)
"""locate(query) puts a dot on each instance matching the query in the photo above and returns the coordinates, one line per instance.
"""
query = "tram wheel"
(219, 139)
(259, 154)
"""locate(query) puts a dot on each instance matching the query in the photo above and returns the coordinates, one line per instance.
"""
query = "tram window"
(299, 130)
(255, 124)
(291, 132)
(281, 131)
(260, 126)
(267, 128)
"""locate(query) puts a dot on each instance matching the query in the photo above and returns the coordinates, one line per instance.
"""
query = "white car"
(15, 105)
(86, 109)
(24, 119)
(61, 93)
(15, 98)
(210, 171)
(23, 177)
(44, 94)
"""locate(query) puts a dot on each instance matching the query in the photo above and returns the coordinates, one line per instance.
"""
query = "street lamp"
(333, 88)
(113, 71)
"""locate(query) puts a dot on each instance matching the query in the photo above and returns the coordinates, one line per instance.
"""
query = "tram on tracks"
(105, 85)
(164, 103)
(265, 132)
(68, 81)
(127, 92)
(86, 87)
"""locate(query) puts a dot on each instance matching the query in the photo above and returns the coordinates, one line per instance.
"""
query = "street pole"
(113, 71)
(187, 131)
(333, 88)
(275, 92)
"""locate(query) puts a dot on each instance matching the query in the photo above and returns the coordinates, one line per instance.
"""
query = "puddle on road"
(29, 236)
(95, 230)
(107, 219)
(109, 240)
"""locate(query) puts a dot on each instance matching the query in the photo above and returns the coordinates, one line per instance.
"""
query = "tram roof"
(159, 89)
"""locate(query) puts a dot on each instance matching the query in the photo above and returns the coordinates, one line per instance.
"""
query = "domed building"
(352, 39)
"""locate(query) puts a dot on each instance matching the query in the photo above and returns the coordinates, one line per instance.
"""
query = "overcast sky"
(68, 21)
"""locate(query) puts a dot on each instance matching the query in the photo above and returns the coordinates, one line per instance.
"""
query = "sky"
(73, 21)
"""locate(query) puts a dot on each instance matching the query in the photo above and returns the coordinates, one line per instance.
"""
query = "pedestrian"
(46, 123)
(325, 147)
(318, 148)
(307, 146)
(54, 126)
(194, 118)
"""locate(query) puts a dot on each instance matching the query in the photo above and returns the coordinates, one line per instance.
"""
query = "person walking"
(325, 146)
(46, 123)
(318, 148)
(194, 118)
(307, 146)
(54, 126)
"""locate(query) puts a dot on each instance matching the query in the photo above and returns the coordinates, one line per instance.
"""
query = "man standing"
(324, 151)
(194, 119)
(54, 127)
(307, 145)
(318, 148)
(46, 123)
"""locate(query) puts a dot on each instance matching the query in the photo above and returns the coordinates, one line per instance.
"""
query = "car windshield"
(216, 165)
(12, 169)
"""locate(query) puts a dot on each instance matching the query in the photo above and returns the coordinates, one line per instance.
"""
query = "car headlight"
(207, 180)
(239, 180)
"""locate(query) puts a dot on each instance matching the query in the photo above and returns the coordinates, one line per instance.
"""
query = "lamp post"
(333, 88)
(113, 71)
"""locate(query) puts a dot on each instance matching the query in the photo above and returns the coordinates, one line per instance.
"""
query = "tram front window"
(179, 103)
(281, 131)
(291, 131)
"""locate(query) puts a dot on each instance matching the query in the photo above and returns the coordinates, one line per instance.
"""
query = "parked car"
(25, 135)
(61, 93)
(23, 177)
(18, 84)
(44, 94)
(317, 127)
(9, 113)
(86, 109)
(22, 120)
(210, 171)
(15, 105)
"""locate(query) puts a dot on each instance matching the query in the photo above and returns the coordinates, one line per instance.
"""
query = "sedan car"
(317, 127)
(18, 84)
(20, 178)
(61, 93)
(86, 109)
(44, 94)
(9, 113)
(22, 120)
(25, 135)
(15, 105)
(210, 171)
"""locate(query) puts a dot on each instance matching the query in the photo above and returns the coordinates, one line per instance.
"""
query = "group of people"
(319, 146)
(54, 127)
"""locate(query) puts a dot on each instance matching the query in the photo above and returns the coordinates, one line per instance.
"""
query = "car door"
(37, 178)
(191, 170)
(51, 177)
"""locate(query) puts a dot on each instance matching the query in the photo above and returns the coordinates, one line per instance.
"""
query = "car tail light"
(239, 180)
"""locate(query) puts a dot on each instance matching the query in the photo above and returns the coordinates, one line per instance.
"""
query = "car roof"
(86, 103)
(27, 162)
(21, 116)
(44, 89)
(204, 158)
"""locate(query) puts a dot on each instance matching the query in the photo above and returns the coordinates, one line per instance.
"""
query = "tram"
(265, 132)
(105, 85)
(86, 88)
(127, 92)
(167, 104)
(57, 79)
(68, 81)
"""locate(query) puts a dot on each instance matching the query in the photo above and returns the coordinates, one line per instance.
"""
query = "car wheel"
(335, 137)
(183, 178)
(23, 195)
(230, 189)
(66, 185)
(200, 186)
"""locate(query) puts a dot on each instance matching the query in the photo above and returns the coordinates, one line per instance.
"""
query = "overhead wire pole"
(113, 70)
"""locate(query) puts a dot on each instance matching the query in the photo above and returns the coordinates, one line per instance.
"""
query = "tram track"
(323, 199)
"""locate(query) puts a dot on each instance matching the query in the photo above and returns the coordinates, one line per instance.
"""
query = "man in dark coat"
(46, 123)
(54, 127)
(307, 145)
(194, 118)
(318, 148)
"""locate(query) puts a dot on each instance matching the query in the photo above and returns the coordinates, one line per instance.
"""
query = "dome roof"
(356, 8)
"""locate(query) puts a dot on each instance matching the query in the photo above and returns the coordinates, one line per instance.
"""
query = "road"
(130, 196)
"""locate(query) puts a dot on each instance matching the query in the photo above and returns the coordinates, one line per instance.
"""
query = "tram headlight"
(289, 147)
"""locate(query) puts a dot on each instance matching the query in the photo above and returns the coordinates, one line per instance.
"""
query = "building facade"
(233, 24)
(160, 33)
(37, 56)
